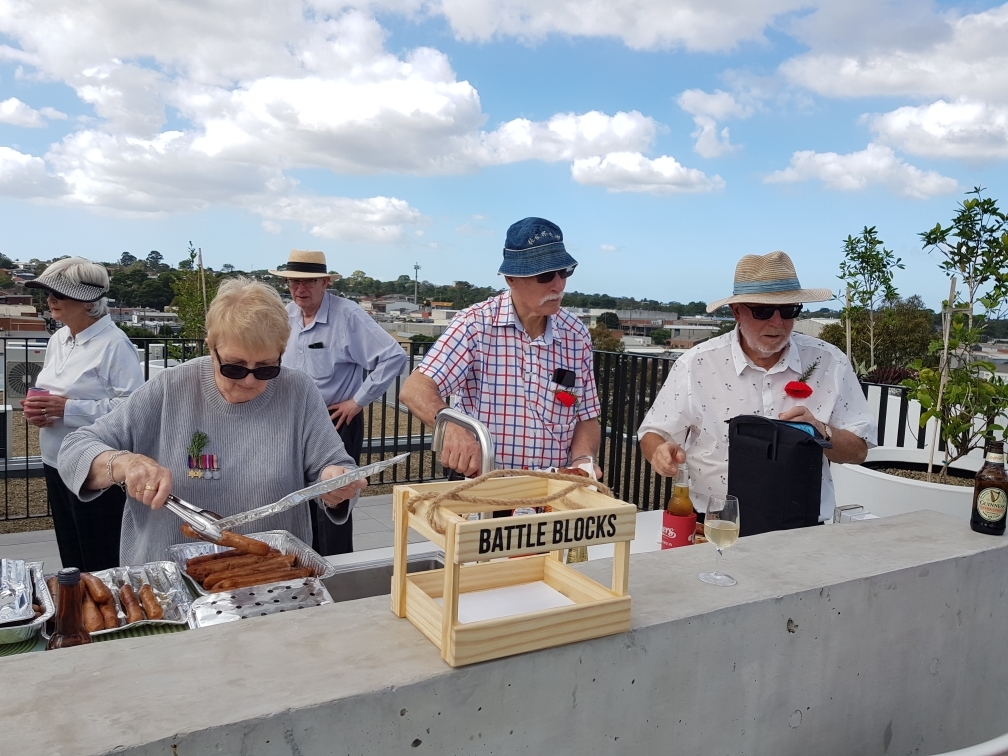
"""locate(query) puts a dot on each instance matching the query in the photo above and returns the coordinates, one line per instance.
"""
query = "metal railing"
(627, 385)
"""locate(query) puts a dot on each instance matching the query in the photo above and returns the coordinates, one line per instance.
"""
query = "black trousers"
(87, 533)
(327, 537)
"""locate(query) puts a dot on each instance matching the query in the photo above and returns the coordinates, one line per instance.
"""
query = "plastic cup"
(34, 392)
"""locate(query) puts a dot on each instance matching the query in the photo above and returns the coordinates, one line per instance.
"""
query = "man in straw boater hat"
(760, 368)
(334, 341)
(517, 362)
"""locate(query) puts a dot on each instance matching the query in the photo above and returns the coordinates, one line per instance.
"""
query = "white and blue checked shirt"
(341, 341)
(505, 379)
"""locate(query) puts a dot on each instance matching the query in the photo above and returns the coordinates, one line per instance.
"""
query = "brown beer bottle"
(990, 492)
(70, 630)
(680, 503)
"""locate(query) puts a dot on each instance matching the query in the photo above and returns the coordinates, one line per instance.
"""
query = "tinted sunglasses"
(238, 372)
(765, 312)
(548, 276)
(57, 295)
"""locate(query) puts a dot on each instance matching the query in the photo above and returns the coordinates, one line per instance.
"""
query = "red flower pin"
(566, 398)
(800, 389)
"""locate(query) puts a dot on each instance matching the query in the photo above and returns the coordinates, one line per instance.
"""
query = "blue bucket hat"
(534, 246)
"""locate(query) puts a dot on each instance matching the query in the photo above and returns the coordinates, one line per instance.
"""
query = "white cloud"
(965, 57)
(607, 248)
(632, 172)
(960, 129)
(24, 175)
(17, 113)
(271, 227)
(640, 24)
(259, 92)
(707, 109)
(52, 114)
(875, 165)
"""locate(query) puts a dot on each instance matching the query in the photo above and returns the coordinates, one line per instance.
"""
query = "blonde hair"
(80, 270)
(249, 312)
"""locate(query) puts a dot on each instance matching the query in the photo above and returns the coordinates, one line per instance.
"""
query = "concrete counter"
(886, 636)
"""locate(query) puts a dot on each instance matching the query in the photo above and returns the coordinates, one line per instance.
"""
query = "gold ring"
(148, 488)
(44, 412)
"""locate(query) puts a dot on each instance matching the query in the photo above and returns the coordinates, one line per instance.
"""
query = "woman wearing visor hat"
(90, 368)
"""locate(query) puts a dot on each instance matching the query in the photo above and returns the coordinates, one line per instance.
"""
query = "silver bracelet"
(589, 457)
(108, 468)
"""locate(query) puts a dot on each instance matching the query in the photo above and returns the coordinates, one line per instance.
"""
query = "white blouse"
(96, 371)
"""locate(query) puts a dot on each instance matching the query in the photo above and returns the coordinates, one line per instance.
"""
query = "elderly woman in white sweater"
(90, 368)
(228, 432)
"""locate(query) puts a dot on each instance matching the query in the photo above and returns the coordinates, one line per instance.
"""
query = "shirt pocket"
(542, 396)
(319, 363)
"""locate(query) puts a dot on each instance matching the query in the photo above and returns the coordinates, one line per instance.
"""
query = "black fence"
(627, 386)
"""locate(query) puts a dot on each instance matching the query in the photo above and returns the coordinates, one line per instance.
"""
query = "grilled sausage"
(270, 564)
(150, 603)
(201, 571)
(130, 605)
(53, 585)
(98, 590)
(93, 620)
(267, 577)
(211, 557)
(109, 615)
(244, 544)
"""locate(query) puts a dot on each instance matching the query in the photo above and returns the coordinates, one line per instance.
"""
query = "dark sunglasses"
(765, 312)
(564, 273)
(238, 372)
(57, 295)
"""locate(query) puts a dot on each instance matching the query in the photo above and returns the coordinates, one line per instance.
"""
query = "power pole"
(416, 281)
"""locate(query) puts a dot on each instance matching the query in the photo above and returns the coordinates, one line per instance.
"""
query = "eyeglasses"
(293, 283)
(765, 312)
(57, 295)
(238, 372)
(563, 273)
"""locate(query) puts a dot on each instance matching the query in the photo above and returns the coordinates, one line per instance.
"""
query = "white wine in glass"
(721, 527)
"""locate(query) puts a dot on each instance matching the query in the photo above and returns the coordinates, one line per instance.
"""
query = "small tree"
(604, 341)
(189, 297)
(867, 269)
(154, 261)
(609, 320)
(660, 335)
(126, 259)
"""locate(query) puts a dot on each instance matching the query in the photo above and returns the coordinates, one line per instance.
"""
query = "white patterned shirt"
(715, 381)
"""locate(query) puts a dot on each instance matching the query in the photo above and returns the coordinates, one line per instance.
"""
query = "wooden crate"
(473, 562)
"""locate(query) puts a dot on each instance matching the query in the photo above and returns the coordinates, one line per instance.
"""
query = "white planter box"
(886, 495)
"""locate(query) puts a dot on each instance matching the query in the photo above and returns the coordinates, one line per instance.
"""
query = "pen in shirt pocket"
(316, 345)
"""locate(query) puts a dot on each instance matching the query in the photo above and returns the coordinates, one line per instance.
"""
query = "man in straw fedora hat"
(334, 341)
(760, 368)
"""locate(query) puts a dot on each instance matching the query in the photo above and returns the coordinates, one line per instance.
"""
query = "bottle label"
(997, 459)
(992, 503)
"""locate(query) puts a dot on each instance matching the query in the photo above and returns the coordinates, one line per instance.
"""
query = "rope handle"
(435, 499)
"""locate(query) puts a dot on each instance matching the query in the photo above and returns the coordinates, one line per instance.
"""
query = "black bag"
(775, 471)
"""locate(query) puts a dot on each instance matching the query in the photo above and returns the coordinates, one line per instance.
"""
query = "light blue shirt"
(338, 346)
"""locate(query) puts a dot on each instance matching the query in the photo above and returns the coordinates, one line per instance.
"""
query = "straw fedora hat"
(769, 279)
(302, 263)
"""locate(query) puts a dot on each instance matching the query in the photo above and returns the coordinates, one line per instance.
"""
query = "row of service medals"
(205, 466)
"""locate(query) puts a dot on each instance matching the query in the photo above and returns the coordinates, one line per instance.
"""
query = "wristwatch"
(827, 432)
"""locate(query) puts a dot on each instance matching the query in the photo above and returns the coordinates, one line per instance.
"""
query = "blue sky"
(402, 131)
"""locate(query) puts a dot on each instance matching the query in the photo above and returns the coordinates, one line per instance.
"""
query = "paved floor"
(372, 530)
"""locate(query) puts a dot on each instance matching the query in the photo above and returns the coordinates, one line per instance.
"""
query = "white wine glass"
(721, 527)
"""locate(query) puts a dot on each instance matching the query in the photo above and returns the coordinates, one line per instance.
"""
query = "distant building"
(813, 326)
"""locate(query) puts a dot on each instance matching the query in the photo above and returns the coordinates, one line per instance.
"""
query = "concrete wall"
(879, 637)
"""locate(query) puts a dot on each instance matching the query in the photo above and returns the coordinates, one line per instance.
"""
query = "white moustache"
(551, 298)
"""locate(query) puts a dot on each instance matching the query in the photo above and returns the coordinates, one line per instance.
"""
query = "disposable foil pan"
(164, 578)
(257, 601)
(281, 540)
(15, 591)
(28, 630)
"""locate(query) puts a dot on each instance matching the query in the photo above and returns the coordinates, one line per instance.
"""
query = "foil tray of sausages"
(281, 540)
(30, 628)
(164, 578)
(257, 601)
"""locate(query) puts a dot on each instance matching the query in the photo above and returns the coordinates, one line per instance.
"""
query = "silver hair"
(82, 271)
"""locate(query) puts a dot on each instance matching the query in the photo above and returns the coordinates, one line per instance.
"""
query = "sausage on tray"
(130, 605)
(244, 544)
(150, 603)
(93, 620)
(98, 590)
(271, 564)
(212, 557)
(108, 612)
(266, 577)
(201, 571)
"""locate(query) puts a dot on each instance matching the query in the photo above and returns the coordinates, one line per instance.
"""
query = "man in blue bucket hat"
(519, 363)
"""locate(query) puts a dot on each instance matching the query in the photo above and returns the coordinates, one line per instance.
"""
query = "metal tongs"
(208, 525)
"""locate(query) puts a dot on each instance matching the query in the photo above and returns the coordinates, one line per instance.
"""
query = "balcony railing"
(627, 385)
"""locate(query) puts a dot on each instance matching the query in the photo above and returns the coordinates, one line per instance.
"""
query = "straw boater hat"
(303, 263)
(769, 279)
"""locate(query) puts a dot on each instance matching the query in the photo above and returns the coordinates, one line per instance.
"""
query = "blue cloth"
(534, 246)
(338, 346)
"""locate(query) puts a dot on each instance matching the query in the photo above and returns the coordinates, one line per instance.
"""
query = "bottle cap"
(68, 576)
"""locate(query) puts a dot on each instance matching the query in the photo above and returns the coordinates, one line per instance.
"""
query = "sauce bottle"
(70, 630)
(990, 492)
